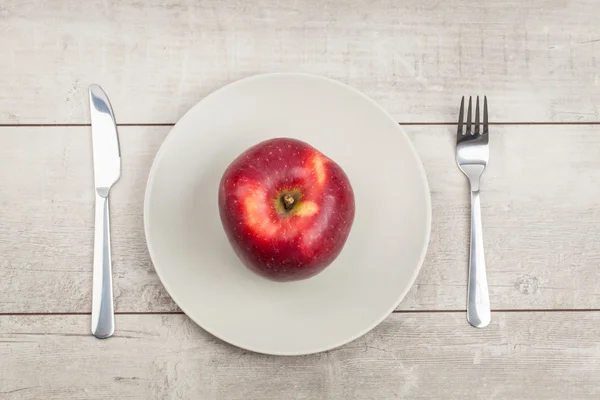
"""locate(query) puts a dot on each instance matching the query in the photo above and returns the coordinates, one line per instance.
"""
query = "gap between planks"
(524, 310)
(399, 123)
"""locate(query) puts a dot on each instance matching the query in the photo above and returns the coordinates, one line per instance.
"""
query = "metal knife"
(107, 170)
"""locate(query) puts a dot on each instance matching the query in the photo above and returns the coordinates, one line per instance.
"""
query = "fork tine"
(469, 118)
(477, 116)
(485, 116)
(459, 132)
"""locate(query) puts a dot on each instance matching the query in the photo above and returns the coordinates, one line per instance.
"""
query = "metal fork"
(472, 155)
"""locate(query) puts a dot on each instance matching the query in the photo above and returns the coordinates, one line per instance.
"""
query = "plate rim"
(423, 175)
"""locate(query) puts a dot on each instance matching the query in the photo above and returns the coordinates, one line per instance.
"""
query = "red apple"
(286, 209)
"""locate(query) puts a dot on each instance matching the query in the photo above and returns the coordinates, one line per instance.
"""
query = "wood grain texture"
(536, 60)
(417, 356)
(539, 204)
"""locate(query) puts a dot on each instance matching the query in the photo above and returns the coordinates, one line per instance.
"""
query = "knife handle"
(103, 316)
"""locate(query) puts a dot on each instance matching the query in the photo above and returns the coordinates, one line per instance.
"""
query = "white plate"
(379, 262)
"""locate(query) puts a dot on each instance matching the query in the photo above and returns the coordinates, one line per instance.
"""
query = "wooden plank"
(535, 60)
(547, 355)
(540, 214)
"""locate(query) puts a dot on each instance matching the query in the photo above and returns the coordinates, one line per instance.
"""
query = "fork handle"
(478, 301)
(103, 318)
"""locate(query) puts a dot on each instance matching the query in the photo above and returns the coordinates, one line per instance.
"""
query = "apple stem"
(288, 201)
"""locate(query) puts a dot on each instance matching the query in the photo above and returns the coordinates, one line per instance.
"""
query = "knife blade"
(107, 170)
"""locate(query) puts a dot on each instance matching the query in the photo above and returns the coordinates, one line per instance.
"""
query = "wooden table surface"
(536, 62)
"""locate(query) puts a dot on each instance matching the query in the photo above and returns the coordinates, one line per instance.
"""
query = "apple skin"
(255, 192)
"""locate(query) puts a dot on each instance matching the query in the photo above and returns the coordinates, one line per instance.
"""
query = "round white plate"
(379, 262)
